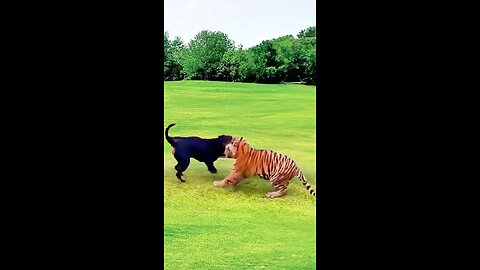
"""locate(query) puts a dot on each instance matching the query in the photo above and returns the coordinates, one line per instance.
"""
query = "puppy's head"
(231, 149)
(224, 140)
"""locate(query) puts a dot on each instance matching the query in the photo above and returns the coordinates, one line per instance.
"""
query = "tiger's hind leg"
(280, 188)
(279, 193)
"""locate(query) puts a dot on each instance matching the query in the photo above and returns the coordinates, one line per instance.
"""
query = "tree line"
(213, 56)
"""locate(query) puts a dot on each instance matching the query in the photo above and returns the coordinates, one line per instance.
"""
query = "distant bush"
(213, 56)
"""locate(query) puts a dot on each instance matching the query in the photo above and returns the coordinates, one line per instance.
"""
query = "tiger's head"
(235, 147)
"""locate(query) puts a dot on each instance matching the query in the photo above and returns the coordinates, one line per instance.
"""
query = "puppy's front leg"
(210, 167)
(232, 179)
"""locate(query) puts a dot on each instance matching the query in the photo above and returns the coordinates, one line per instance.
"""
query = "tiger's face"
(231, 149)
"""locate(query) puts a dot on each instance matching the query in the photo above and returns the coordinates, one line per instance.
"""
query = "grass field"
(238, 228)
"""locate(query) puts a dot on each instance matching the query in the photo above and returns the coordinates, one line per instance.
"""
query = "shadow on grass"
(253, 187)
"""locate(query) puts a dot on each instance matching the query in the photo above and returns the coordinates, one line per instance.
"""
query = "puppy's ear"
(241, 138)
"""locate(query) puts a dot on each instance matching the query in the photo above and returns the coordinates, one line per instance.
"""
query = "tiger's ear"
(238, 142)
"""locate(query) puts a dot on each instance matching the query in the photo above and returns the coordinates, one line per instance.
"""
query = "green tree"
(309, 32)
(308, 60)
(288, 58)
(247, 68)
(166, 49)
(173, 50)
(265, 63)
(204, 54)
(213, 56)
(229, 66)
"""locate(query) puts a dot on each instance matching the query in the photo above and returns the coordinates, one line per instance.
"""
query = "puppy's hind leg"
(182, 165)
(179, 173)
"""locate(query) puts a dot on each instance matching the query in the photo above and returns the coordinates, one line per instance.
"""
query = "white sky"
(246, 22)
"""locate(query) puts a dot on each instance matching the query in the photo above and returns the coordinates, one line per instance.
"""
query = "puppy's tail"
(169, 139)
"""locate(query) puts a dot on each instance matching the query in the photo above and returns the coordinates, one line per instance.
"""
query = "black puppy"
(203, 150)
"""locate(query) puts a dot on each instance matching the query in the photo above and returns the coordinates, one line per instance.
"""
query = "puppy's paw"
(179, 176)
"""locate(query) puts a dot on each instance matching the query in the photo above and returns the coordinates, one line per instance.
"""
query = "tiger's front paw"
(218, 183)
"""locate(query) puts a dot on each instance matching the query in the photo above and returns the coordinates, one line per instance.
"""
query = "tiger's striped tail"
(305, 183)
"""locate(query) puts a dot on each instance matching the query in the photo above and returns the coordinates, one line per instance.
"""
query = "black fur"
(203, 150)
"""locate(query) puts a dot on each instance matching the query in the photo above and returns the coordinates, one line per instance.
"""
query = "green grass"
(238, 228)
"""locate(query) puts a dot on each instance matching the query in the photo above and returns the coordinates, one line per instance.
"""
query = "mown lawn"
(238, 228)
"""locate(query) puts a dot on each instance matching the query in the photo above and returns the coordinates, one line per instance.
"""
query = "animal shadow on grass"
(256, 187)
(253, 187)
(196, 177)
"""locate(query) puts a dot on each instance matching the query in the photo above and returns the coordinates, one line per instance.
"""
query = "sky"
(246, 22)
